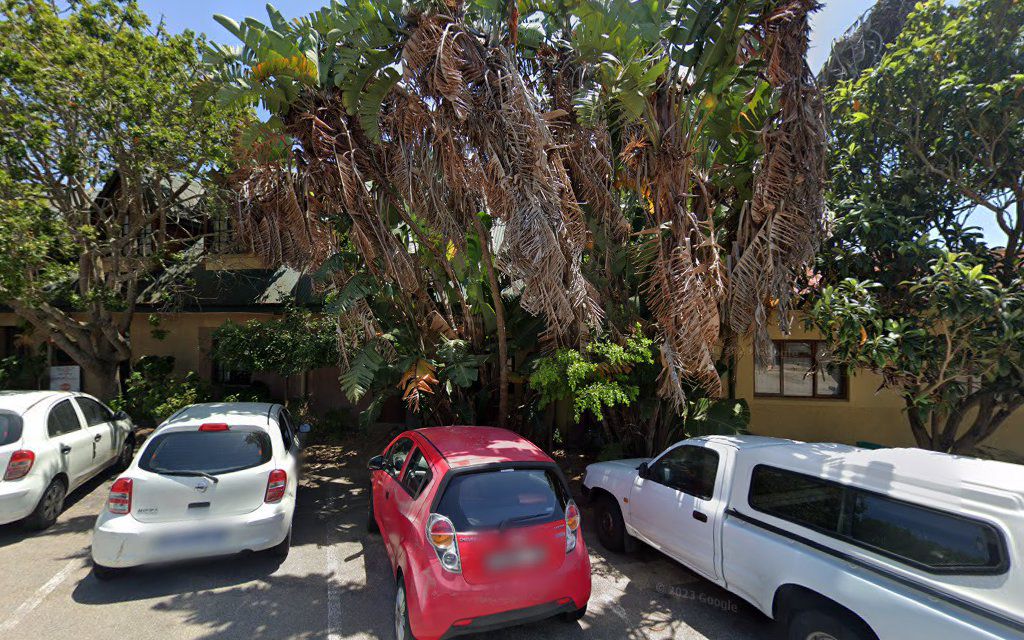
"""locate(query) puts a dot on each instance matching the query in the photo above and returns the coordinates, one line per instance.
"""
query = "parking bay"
(334, 584)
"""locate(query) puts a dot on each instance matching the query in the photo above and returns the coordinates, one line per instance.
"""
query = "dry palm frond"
(685, 279)
(864, 43)
(486, 146)
(785, 222)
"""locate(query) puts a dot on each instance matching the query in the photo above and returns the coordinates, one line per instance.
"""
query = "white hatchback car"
(213, 479)
(51, 442)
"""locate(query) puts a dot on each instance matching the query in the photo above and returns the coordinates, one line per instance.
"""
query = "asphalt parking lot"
(335, 583)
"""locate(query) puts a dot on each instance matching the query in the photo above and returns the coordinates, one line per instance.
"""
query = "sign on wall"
(66, 378)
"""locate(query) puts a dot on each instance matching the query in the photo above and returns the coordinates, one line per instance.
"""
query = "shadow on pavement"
(349, 592)
(143, 583)
(363, 580)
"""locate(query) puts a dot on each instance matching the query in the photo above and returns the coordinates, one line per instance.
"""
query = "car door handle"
(65, 448)
(97, 438)
(700, 517)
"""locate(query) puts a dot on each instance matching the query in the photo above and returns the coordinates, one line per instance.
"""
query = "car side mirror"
(376, 463)
(120, 415)
(643, 470)
(305, 427)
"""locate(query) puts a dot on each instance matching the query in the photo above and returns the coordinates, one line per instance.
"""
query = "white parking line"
(37, 598)
(333, 574)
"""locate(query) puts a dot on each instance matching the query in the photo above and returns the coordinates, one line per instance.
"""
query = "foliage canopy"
(564, 169)
(926, 140)
(104, 166)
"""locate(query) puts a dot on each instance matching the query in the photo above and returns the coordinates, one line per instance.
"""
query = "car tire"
(125, 458)
(824, 624)
(611, 529)
(50, 505)
(402, 629)
(574, 616)
(281, 549)
(106, 573)
(371, 520)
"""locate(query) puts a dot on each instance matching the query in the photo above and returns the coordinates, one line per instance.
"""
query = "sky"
(178, 15)
(828, 24)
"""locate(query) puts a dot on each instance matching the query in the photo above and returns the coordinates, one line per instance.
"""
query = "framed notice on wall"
(66, 378)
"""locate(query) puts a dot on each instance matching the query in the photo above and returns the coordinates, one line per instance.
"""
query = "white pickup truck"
(833, 542)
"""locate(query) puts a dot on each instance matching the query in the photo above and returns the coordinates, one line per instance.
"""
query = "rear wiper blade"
(190, 474)
(518, 519)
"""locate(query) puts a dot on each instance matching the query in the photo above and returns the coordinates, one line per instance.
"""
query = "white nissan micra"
(51, 442)
(213, 479)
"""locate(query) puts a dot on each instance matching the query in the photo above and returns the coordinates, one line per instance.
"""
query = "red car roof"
(463, 446)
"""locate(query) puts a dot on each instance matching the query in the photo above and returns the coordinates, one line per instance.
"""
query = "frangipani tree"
(927, 143)
(523, 153)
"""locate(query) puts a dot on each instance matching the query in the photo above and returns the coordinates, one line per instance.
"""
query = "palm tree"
(671, 153)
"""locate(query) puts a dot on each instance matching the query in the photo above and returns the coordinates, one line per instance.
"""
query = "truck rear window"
(10, 427)
(509, 497)
(211, 452)
(919, 536)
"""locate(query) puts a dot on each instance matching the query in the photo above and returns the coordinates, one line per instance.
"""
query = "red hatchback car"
(481, 532)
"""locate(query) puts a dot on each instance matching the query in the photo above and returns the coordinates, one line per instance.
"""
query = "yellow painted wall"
(868, 414)
(189, 337)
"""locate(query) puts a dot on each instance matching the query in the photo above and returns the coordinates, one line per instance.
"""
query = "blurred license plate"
(515, 558)
(192, 539)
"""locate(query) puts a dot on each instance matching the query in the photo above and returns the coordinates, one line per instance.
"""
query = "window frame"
(849, 493)
(780, 345)
(426, 481)
(219, 374)
(81, 423)
(665, 454)
(284, 425)
(146, 457)
(17, 424)
(83, 400)
(556, 477)
(397, 473)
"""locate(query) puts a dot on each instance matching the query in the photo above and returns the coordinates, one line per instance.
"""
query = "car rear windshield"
(210, 452)
(10, 427)
(507, 497)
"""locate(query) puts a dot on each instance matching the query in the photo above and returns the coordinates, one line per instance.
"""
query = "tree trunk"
(499, 314)
(988, 421)
(99, 344)
(918, 425)
(103, 380)
(943, 433)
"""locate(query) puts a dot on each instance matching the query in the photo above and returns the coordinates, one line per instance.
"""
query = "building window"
(221, 374)
(800, 370)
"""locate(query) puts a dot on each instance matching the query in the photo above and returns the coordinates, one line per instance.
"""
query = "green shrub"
(22, 371)
(153, 392)
(603, 375)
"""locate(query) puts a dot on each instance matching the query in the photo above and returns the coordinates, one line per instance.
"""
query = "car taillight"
(19, 465)
(120, 500)
(214, 426)
(572, 525)
(277, 483)
(441, 536)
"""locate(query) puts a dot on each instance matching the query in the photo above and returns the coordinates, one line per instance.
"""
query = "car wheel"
(127, 453)
(106, 573)
(371, 520)
(281, 549)
(818, 624)
(573, 616)
(402, 629)
(51, 503)
(611, 530)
